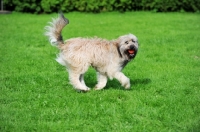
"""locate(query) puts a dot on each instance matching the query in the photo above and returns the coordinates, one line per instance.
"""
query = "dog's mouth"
(131, 53)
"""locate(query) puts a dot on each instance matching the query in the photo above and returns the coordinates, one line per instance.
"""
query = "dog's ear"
(116, 43)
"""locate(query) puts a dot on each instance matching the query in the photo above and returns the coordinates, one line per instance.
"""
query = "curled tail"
(53, 31)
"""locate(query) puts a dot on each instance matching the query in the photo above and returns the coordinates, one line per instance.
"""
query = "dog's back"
(87, 50)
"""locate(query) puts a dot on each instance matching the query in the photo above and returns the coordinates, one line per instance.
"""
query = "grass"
(165, 75)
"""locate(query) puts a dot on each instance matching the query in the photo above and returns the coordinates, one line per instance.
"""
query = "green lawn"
(35, 93)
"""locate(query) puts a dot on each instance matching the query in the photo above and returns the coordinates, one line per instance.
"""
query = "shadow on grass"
(114, 84)
(143, 81)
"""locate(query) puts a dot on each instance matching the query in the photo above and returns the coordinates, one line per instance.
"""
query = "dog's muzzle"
(131, 52)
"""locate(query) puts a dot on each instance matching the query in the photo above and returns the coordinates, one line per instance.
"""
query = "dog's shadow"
(115, 84)
(143, 81)
(136, 84)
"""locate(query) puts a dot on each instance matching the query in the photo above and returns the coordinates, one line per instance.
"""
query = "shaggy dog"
(108, 58)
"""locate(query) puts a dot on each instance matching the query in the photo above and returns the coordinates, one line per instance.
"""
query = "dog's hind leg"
(81, 78)
(102, 80)
(125, 81)
(75, 81)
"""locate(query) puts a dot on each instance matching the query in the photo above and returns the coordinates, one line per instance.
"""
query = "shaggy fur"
(108, 58)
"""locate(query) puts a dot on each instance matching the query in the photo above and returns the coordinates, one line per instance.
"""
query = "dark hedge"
(49, 6)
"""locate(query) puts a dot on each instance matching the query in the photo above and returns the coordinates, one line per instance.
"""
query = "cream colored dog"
(108, 58)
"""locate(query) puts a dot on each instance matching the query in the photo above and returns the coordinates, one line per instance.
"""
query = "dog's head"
(128, 46)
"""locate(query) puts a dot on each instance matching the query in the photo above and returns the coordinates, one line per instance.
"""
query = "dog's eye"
(126, 42)
(133, 41)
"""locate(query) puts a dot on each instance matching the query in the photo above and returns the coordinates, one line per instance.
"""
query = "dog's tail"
(54, 29)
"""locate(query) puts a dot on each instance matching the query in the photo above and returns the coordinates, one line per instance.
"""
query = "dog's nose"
(132, 47)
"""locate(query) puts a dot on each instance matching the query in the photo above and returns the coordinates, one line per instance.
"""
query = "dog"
(107, 57)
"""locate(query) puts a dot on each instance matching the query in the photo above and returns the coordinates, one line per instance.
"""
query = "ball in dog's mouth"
(131, 51)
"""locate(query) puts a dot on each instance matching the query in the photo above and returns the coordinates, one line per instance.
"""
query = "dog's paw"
(127, 84)
(83, 90)
(98, 88)
(86, 89)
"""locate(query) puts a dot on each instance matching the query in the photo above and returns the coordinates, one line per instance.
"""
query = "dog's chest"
(124, 63)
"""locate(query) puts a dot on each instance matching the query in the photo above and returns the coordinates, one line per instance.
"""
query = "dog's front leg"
(125, 81)
(102, 80)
